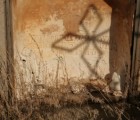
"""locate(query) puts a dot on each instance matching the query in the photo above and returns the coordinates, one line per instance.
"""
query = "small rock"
(77, 87)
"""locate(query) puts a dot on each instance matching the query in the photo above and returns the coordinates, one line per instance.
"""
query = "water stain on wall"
(26, 12)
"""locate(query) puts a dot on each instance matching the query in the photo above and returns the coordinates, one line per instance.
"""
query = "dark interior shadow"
(137, 33)
(86, 40)
(135, 67)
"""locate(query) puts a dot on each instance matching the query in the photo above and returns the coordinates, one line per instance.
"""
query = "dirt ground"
(60, 106)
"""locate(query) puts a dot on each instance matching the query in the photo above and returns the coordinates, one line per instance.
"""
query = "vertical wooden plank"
(9, 45)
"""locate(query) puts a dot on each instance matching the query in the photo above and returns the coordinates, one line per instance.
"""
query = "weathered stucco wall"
(2, 46)
(59, 41)
(2, 30)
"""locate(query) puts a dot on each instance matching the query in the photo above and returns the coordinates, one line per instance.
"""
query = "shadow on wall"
(86, 40)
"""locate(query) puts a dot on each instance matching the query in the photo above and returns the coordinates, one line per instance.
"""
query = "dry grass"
(49, 103)
(58, 105)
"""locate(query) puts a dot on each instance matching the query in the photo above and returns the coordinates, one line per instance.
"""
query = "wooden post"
(10, 55)
(135, 72)
(121, 40)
